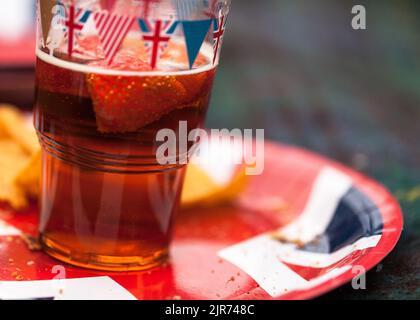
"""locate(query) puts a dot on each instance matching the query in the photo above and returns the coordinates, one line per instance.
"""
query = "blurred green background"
(297, 69)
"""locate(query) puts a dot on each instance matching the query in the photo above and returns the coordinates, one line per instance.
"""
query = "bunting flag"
(195, 32)
(146, 7)
(156, 36)
(45, 14)
(75, 21)
(112, 30)
(219, 26)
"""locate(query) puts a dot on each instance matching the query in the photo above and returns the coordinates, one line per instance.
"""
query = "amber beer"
(106, 202)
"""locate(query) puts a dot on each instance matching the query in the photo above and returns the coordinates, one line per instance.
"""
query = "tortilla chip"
(12, 161)
(13, 196)
(28, 179)
(13, 125)
(19, 158)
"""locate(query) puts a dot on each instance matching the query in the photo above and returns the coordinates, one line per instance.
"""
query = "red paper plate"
(347, 222)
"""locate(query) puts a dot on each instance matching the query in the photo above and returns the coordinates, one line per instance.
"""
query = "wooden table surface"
(297, 69)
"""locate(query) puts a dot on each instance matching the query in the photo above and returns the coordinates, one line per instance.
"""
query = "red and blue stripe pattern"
(112, 30)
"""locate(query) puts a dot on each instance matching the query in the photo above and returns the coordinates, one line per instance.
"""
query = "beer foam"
(206, 50)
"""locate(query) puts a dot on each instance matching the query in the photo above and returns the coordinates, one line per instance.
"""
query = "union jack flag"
(219, 26)
(156, 36)
(337, 226)
(74, 21)
(112, 30)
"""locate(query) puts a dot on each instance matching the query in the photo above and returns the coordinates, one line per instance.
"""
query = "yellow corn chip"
(19, 158)
(13, 125)
(12, 160)
(28, 179)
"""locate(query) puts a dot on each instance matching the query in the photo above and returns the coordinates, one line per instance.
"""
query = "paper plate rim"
(390, 211)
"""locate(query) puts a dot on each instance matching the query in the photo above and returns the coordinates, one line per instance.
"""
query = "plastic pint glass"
(109, 76)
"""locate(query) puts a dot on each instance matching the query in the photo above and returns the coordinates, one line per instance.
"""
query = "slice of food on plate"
(19, 172)
(215, 174)
(12, 160)
(14, 126)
